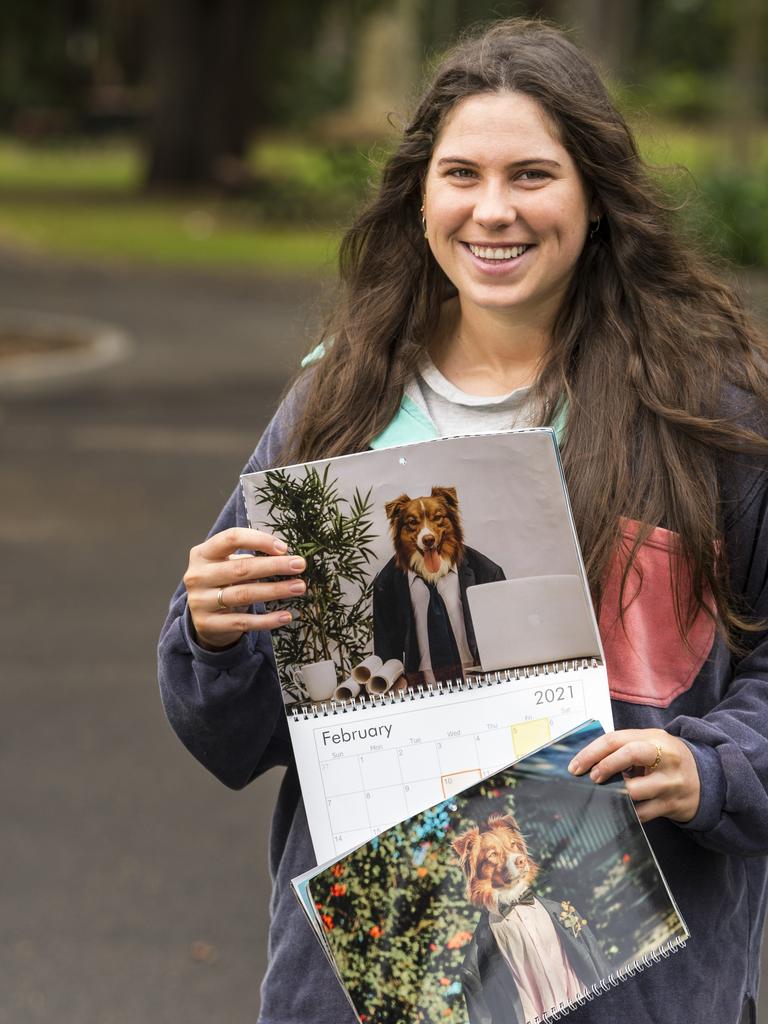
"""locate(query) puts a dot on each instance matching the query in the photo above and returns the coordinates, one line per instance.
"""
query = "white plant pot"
(319, 679)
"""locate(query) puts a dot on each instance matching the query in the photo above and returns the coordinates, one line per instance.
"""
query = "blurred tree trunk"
(746, 66)
(552, 10)
(606, 28)
(443, 20)
(388, 59)
(202, 52)
(386, 70)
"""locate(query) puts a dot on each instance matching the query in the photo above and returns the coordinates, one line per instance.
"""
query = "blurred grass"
(702, 150)
(84, 200)
(161, 232)
(97, 168)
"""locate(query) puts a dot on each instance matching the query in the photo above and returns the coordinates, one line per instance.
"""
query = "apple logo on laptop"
(534, 619)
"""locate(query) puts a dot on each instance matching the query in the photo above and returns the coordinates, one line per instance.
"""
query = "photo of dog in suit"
(420, 611)
(528, 954)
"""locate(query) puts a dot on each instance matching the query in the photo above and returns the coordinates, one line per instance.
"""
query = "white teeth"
(487, 253)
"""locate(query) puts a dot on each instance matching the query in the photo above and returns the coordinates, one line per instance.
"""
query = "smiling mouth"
(497, 253)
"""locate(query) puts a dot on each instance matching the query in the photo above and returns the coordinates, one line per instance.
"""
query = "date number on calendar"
(553, 694)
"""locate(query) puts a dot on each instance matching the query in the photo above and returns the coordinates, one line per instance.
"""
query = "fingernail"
(594, 775)
(280, 545)
(296, 563)
(285, 617)
(297, 587)
(573, 767)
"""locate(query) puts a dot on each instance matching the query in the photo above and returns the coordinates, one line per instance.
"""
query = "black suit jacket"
(489, 987)
(394, 624)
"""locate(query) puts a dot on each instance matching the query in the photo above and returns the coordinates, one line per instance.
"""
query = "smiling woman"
(517, 268)
(506, 215)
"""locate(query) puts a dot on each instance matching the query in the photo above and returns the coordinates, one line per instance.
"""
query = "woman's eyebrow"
(515, 163)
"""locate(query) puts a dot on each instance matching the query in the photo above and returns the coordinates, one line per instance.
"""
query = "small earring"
(423, 222)
(595, 227)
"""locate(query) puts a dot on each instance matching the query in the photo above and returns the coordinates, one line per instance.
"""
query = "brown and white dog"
(496, 863)
(529, 954)
(427, 533)
(430, 556)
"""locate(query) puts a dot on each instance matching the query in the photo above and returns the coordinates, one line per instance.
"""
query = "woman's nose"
(494, 208)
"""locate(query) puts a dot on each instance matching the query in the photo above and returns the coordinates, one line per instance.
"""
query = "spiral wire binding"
(422, 692)
(613, 980)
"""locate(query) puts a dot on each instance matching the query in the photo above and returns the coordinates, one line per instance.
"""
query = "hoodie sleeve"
(730, 741)
(226, 706)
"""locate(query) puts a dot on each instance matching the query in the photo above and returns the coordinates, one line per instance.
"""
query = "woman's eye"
(533, 175)
(461, 172)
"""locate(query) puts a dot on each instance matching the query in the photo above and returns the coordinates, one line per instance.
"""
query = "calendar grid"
(399, 760)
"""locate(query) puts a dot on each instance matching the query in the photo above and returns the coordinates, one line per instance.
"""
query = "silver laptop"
(532, 620)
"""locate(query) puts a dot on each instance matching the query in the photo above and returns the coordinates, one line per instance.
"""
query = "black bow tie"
(525, 900)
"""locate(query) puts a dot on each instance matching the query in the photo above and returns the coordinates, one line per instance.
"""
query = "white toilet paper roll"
(385, 677)
(399, 685)
(362, 673)
(348, 690)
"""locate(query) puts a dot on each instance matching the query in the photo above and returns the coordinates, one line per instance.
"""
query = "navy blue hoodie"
(227, 709)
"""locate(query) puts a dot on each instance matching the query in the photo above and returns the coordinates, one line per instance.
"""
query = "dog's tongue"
(432, 560)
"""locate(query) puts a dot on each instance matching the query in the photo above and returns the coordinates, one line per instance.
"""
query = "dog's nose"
(428, 540)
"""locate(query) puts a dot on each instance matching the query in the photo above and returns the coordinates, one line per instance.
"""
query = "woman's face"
(506, 209)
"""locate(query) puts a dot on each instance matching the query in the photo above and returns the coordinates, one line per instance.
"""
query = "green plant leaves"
(334, 534)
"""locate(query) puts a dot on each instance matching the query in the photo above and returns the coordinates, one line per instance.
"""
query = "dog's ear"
(463, 844)
(394, 508)
(502, 821)
(448, 495)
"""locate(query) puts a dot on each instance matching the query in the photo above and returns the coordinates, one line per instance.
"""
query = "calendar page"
(441, 577)
(362, 773)
(418, 927)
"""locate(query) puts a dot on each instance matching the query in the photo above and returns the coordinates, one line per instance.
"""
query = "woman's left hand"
(660, 771)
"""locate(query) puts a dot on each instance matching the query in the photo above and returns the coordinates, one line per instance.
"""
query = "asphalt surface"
(134, 886)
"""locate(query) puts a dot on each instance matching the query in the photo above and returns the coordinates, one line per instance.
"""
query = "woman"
(516, 267)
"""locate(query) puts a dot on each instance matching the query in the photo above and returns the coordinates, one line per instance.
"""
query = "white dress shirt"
(529, 943)
(448, 588)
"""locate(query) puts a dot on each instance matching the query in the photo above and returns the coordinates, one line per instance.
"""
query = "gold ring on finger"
(657, 762)
(220, 606)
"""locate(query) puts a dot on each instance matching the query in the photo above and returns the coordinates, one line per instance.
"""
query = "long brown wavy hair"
(645, 342)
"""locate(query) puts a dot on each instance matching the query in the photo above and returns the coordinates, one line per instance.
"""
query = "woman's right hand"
(222, 583)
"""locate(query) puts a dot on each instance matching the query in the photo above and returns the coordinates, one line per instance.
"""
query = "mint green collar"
(314, 356)
(411, 424)
(559, 421)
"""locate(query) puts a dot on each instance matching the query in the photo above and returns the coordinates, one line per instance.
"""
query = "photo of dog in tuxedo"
(420, 611)
(528, 954)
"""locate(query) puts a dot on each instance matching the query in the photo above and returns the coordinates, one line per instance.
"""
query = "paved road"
(134, 885)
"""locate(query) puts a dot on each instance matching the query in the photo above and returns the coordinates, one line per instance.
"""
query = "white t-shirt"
(454, 411)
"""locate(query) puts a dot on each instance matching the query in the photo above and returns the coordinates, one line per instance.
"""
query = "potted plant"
(333, 533)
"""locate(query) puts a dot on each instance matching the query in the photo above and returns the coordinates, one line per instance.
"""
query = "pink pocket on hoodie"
(647, 660)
